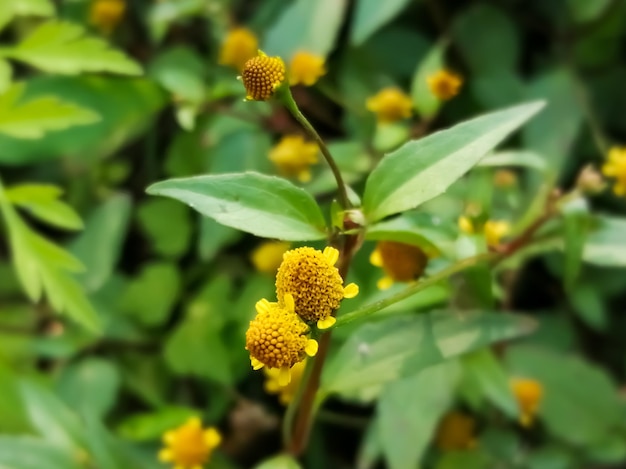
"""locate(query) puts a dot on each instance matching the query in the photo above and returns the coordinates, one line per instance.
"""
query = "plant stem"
(291, 105)
(368, 310)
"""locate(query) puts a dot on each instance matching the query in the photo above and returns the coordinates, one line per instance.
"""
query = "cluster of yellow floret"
(309, 290)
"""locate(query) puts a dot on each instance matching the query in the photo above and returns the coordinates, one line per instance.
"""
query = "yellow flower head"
(306, 68)
(189, 446)
(105, 15)
(401, 262)
(314, 281)
(615, 167)
(495, 230)
(288, 391)
(293, 157)
(268, 255)
(528, 393)
(444, 84)
(239, 46)
(277, 338)
(466, 225)
(261, 76)
(504, 178)
(456, 432)
(390, 105)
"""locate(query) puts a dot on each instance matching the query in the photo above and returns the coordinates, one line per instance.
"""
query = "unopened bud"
(590, 181)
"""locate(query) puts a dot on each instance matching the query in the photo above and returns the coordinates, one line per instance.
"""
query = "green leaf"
(42, 201)
(486, 372)
(305, 25)
(213, 237)
(6, 75)
(92, 383)
(54, 422)
(580, 403)
(100, 245)
(415, 405)
(265, 206)
(576, 226)
(588, 303)
(584, 11)
(425, 168)
(476, 459)
(181, 72)
(62, 47)
(282, 461)
(425, 102)
(371, 15)
(605, 243)
(35, 117)
(151, 296)
(27, 452)
(33, 7)
(167, 224)
(152, 425)
(382, 352)
(524, 159)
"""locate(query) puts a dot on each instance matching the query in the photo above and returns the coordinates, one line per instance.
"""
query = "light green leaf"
(523, 159)
(382, 352)
(33, 7)
(605, 244)
(167, 224)
(576, 221)
(265, 206)
(35, 117)
(414, 404)
(152, 425)
(6, 75)
(282, 461)
(475, 459)
(486, 372)
(425, 168)
(305, 25)
(62, 47)
(181, 72)
(213, 237)
(42, 201)
(99, 246)
(27, 452)
(580, 403)
(589, 304)
(584, 10)
(425, 102)
(371, 15)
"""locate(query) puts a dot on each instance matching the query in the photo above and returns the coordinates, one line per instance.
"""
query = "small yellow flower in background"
(189, 446)
(306, 68)
(466, 225)
(314, 281)
(288, 391)
(456, 432)
(277, 338)
(293, 156)
(390, 105)
(615, 167)
(401, 262)
(495, 230)
(528, 393)
(268, 255)
(105, 15)
(261, 76)
(239, 46)
(504, 178)
(444, 84)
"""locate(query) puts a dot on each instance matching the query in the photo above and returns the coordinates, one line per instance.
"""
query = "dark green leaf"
(371, 15)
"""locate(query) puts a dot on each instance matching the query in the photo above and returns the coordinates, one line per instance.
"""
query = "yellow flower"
(277, 338)
(504, 178)
(528, 393)
(261, 76)
(288, 391)
(390, 105)
(314, 281)
(268, 255)
(401, 262)
(189, 446)
(456, 432)
(466, 225)
(444, 84)
(495, 230)
(293, 156)
(105, 15)
(615, 167)
(306, 68)
(239, 46)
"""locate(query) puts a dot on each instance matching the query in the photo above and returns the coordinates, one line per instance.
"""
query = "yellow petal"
(376, 259)
(166, 455)
(331, 254)
(384, 283)
(256, 364)
(326, 323)
(284, 377)
(169, 437)
(289, 302)
(351, 290)
(262, 306)
(304, 175)
(212, 437)
(311, 347)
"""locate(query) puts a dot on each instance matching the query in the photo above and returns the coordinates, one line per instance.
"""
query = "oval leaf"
(265, 206)
(425, 168)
